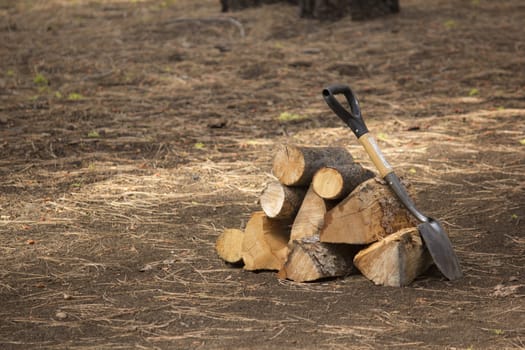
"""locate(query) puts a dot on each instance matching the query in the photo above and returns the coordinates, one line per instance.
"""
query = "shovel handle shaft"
(352, 117)
(370, 145)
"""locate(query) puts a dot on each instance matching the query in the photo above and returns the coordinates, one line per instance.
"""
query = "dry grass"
(108, 241)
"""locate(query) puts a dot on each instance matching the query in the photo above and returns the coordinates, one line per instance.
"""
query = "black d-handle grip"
(351, 117)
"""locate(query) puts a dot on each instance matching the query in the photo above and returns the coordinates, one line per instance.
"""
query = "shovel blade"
(440, 248)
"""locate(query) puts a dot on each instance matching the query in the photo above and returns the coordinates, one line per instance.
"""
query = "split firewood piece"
(395, 260)
(265, 243)
(338, 181)
(310, 260)
(281, 202)
(310, 217)
(229, 245)
(296, 166)
(368, 214)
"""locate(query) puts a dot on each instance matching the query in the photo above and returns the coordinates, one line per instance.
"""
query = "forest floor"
(133, 132)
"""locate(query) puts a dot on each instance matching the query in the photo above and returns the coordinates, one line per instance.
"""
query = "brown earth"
(134, 132)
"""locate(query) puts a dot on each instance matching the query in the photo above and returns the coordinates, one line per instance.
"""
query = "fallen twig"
(230, 20)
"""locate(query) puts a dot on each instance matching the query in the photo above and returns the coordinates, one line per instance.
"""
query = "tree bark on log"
(281, 202)
(368, 214)
(338, 181)
(229, 245)
(265, 243)
(310, 217)
(296, 166)
(396, 260)
(311, 260)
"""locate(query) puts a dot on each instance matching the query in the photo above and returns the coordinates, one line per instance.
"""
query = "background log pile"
(326, 216)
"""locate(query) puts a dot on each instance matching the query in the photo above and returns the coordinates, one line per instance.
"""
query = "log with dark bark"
(338, 181)
(296, 166)
(281, 202)
(368, 214)
(395, 260)
(311, 260)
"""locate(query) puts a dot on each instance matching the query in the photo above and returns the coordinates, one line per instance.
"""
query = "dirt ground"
(134, 132)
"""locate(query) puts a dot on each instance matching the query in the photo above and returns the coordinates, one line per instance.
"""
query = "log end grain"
(368, 214)
(229, 245)
(396, 260)
(328, 183)
(265, 243)
(281, 202)
(288, 164)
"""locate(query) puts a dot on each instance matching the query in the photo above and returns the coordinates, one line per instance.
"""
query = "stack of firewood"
(327, 216)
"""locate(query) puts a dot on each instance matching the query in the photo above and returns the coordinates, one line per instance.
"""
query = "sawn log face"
(279, 201)
(310, 217)
(337, 182)
(265, 243)
(395, 260)
(368, 214)
(229, 245)
(310, 260)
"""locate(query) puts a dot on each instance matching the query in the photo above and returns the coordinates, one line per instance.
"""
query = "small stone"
(60, 315)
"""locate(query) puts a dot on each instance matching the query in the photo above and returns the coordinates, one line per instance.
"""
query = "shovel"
(433, 234)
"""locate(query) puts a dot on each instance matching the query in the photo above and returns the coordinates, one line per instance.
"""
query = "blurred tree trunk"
(242, 4)
(368, 9)
(326, 9)
(358, 9)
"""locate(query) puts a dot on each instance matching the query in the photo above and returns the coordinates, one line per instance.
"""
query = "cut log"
(310, 217)
(310, 260)
(338, 182)
(395, 260)
(265, 243)
(281, 202)
(229, 245)
(368, 214)
(296, 166)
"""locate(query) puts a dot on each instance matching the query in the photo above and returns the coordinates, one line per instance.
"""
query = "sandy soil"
(134, 132)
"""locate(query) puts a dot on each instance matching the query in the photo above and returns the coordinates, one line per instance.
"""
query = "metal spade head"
(431, 231)
(440, 248)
